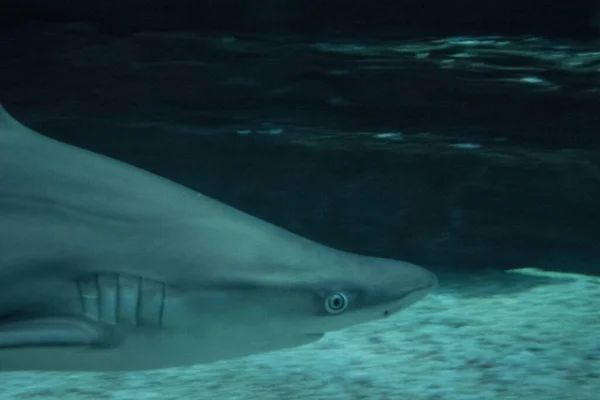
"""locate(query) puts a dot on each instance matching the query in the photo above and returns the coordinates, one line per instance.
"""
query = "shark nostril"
(386, 313)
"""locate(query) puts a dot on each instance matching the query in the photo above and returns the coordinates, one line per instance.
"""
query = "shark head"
(296, 299)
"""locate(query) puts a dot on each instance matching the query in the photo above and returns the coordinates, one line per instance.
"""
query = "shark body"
(107, 267)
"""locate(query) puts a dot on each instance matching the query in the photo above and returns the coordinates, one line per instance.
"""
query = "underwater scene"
(286, 200)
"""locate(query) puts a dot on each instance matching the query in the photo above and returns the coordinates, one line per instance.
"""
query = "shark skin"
(107, 267)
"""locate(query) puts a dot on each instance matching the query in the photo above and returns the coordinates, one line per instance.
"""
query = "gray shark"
(107, 267)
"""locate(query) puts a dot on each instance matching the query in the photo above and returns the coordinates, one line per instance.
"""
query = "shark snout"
(411, 284)
(430, 280)
(414, 278)
(423, 281)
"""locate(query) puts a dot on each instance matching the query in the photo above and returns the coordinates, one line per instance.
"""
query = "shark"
(108, 267)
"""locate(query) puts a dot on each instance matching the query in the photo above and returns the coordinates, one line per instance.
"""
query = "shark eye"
(336, 303)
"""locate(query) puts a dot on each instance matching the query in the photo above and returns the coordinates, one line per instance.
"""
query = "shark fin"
(56, 331)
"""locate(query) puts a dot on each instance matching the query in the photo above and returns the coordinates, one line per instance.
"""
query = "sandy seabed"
(527, 335)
